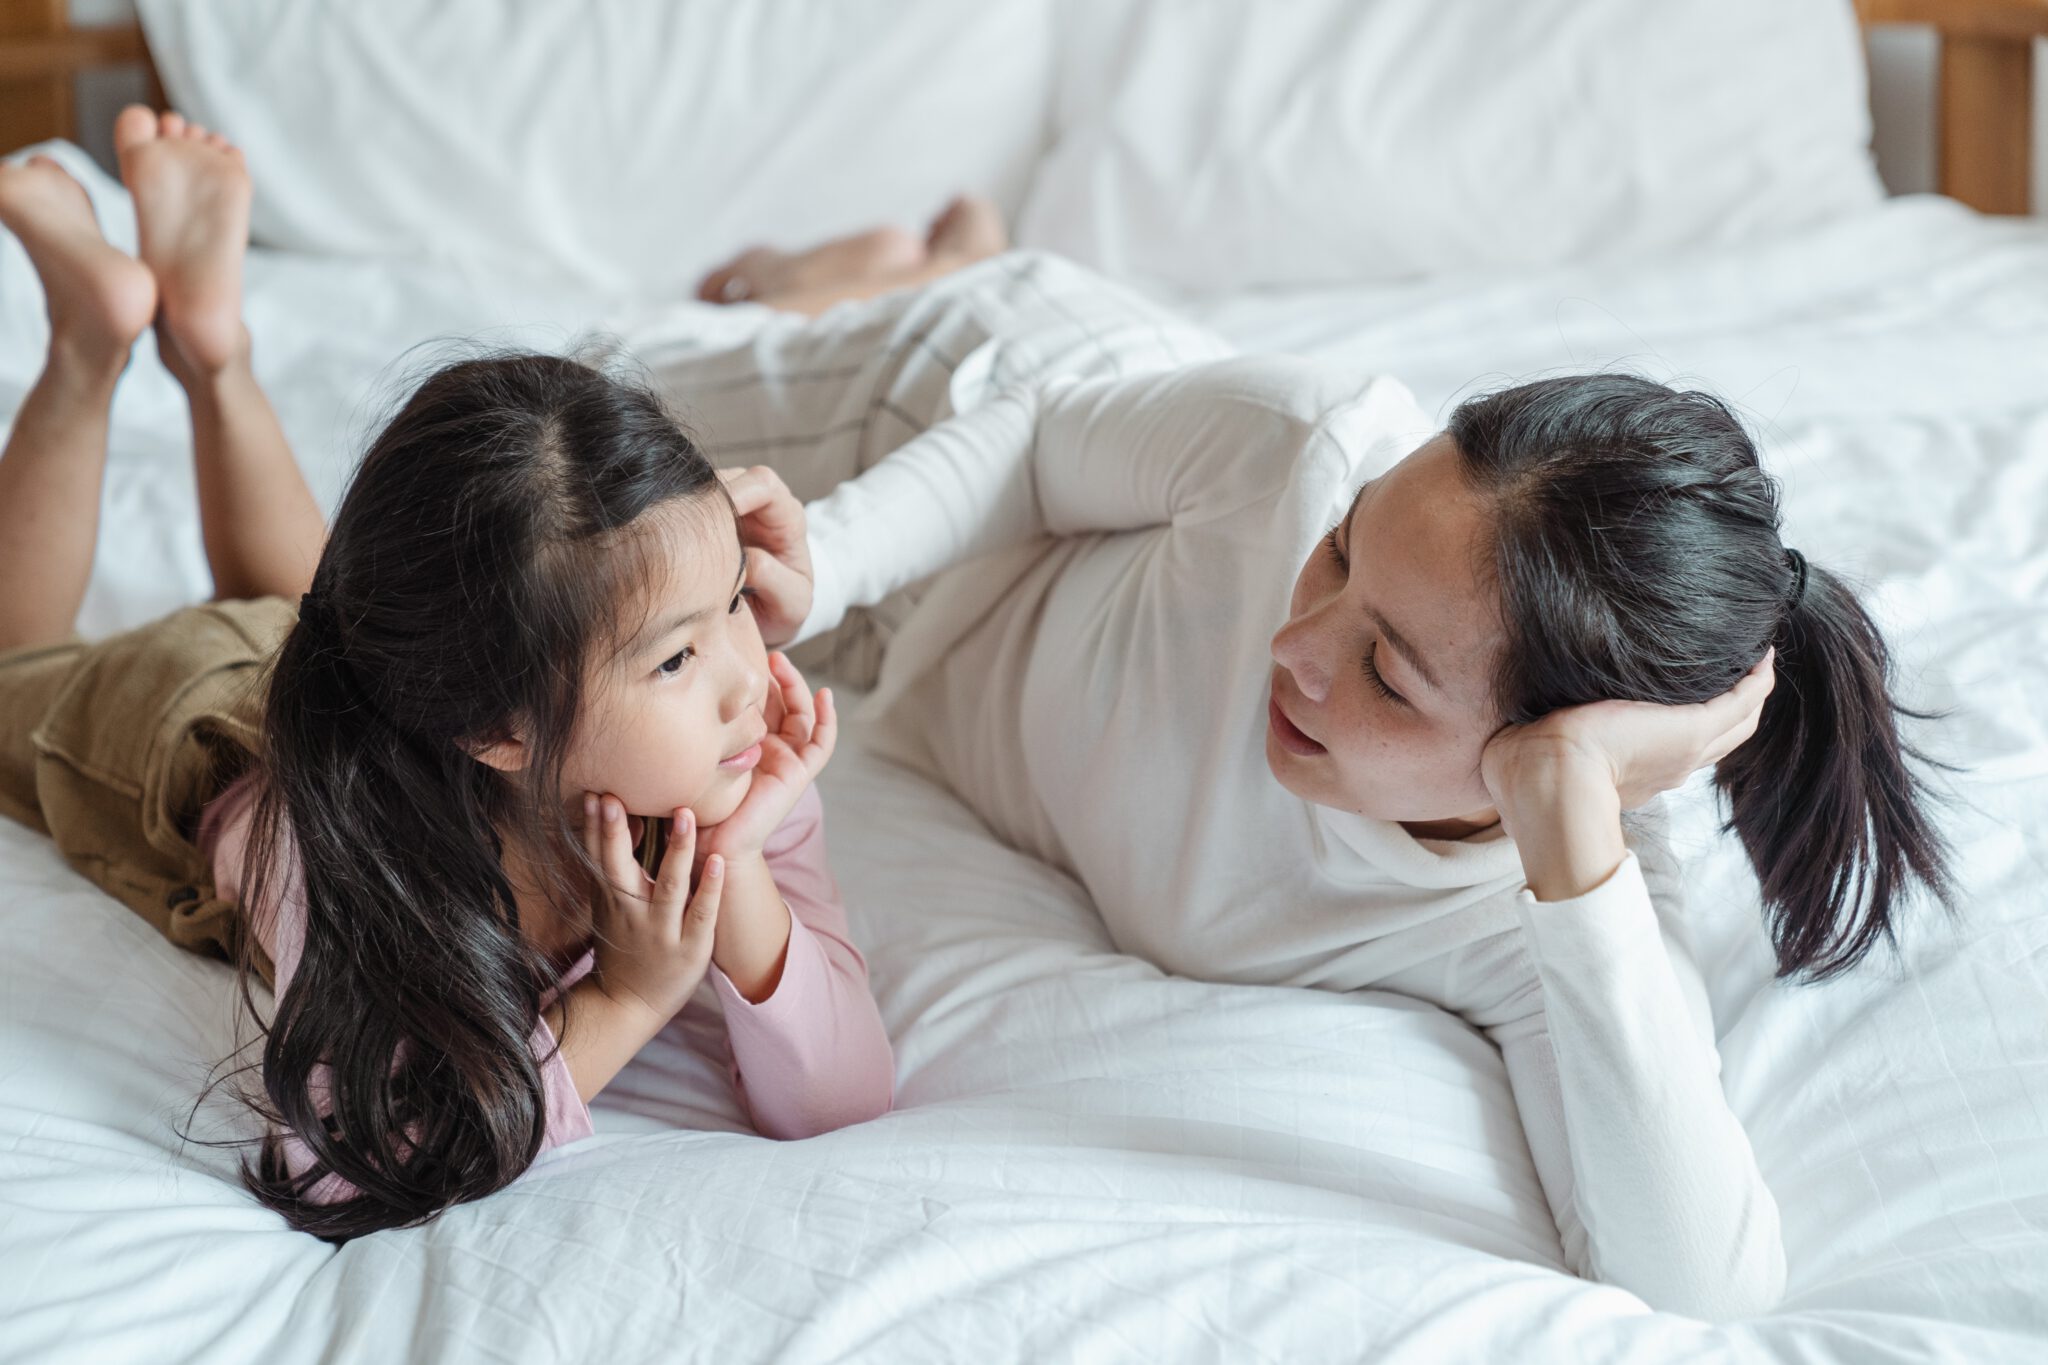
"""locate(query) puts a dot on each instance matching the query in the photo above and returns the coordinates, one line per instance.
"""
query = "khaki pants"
(113, 748)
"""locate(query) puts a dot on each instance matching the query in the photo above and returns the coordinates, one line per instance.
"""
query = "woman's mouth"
(1287, 732)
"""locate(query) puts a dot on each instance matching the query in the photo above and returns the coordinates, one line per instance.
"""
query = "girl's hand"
(772, 529)
(792, 756)
(1560, 783)
(652, 949)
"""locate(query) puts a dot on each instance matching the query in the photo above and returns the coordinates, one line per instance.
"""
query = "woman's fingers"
(774, 581)
(764, 503)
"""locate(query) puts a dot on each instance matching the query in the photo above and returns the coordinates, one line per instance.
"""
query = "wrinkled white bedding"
(1091, 1160)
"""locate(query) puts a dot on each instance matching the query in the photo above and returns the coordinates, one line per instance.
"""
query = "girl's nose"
(745, 686)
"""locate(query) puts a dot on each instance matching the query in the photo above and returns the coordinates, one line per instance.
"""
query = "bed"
(1091, 1159)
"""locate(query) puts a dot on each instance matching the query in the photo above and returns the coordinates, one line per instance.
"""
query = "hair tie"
(1797, 563)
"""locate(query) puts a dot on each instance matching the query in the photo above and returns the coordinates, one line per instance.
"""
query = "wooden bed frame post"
(1986, 101)
(34, 107)
(1987, 122)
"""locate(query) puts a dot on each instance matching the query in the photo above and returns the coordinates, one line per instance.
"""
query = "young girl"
(413, 803)
(1304, 694)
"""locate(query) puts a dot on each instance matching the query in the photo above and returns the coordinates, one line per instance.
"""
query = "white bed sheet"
(1091, 1160)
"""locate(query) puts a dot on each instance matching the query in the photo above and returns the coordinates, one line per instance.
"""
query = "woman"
(1305, 694)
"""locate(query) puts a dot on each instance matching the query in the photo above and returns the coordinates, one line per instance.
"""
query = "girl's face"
(1381, 699)
(675, 717)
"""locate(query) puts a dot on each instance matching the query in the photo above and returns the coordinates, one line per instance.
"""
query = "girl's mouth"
(743, 760)
(1290, 736)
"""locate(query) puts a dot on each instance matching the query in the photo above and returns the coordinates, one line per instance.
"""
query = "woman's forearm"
(1565, 817)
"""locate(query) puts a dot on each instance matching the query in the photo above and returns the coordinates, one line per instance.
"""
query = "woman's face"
(1381, 698)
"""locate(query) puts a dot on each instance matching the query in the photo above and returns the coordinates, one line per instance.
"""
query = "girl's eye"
(673, 665)
(746, 595)
(1379, 682)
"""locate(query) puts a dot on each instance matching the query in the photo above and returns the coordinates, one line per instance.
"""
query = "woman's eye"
(673, 665)
(1334, 544)
(1379, 682)
(744, 595)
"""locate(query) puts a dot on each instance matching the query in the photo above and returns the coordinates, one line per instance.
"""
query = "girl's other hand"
(772, 528)
(653, 936)
(792, 756)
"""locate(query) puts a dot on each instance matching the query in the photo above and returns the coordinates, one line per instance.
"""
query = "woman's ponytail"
(1824, 797)
(1637, 551)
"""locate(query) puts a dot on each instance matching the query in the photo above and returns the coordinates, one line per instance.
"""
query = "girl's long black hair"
(1637, 555)
(478, 559)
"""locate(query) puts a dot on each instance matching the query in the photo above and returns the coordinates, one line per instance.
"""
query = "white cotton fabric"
(1093, 1159)
(1094, 688)
(628, 146)
(1205, 146)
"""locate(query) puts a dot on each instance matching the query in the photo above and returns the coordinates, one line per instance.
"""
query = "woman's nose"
(1298, 649)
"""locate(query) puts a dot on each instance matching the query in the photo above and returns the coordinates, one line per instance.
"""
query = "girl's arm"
(1072, 457)
(811, 1055)
(1649, 1173)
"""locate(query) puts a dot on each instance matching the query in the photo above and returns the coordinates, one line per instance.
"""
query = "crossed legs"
(261, 527)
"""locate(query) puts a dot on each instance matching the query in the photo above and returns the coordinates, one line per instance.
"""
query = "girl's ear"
(507, 753)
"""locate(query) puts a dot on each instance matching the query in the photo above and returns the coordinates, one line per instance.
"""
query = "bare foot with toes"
(99, 298)
(191, 191)
(860, 266)
(967, 230)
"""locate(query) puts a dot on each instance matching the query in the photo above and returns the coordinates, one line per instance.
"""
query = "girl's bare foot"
(191, 193)
(99, 298)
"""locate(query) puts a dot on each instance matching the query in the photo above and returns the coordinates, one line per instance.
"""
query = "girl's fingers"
(799, 716)
(826, 736)
(701, 919)
(593, 825)
(619, 865)
(672, 883)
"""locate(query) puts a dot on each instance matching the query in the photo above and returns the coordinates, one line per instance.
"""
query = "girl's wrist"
(751, 943)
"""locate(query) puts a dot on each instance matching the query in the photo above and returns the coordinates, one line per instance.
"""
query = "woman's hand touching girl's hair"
(1561, 782)
(772, 528)
(795, 750)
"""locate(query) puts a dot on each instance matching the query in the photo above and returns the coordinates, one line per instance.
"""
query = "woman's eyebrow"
(1386, 628)
(1406, 648)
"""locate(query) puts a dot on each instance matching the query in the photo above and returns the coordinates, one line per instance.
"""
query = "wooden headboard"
(1984, 150)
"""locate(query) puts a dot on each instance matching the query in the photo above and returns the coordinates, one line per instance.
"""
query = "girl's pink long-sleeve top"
(811, 1057)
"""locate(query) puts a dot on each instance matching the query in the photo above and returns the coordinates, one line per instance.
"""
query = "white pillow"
(629, 145)
(1207, 145)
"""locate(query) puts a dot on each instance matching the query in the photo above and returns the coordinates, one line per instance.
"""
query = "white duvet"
(1091, 1160)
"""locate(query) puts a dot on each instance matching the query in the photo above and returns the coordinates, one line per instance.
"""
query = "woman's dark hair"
(1637, 556)
(482, 554)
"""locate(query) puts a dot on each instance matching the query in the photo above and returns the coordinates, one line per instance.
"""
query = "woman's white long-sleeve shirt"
(1090, 675)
